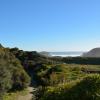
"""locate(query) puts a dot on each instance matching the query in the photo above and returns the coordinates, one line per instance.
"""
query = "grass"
(86, 88)
(59, 73)
(14, 95)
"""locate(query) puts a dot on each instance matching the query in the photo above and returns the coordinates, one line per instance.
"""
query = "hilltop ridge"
(95, 52)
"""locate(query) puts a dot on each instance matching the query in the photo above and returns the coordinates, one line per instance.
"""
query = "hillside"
(92, 53)
(12, 75)
(44, 53)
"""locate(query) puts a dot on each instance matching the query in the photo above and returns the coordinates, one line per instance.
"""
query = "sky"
(50, 25)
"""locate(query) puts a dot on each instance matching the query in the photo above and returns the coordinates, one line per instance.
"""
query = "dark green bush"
(20, 79)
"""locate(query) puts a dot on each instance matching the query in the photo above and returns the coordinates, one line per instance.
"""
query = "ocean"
(66, 54)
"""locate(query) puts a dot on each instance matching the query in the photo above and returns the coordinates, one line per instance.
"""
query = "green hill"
(12, 74)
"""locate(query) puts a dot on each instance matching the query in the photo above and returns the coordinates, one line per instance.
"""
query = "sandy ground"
(29, 96)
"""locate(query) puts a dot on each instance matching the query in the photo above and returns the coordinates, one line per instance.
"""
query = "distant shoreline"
(66, 54)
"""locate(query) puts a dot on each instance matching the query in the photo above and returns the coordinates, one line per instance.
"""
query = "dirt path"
(29, 96)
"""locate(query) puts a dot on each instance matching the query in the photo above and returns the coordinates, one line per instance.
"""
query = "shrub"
(86, 89)
(5, 81)
(11, 72)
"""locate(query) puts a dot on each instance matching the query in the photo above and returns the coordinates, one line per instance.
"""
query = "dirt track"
(29, 96)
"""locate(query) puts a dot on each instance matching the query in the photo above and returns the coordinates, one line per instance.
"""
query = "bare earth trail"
(29, 95)
(31, 90)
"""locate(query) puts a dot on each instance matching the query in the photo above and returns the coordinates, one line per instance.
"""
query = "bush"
(20, 79)
(5, 81)
(11, 73)
(86, 89)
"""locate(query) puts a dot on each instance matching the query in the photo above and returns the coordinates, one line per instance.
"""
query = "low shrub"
(87, 88)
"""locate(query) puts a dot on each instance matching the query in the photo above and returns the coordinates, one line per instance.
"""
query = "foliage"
(5, 81)
(11, 72)
(60, 78)
(20, 79)
(15, 95)
(56, 74)
(87, 88)
(81, 60)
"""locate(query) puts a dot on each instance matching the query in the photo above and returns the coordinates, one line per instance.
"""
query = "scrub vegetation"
(54, 78)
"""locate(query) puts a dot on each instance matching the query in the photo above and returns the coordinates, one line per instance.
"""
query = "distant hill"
(1, 45)
(44, 53)
(92, 53)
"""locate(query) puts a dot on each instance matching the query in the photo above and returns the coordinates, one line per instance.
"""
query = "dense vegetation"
(12, 75)
(56, 78)
(87, 88)
(82, 60)
(79, 60)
